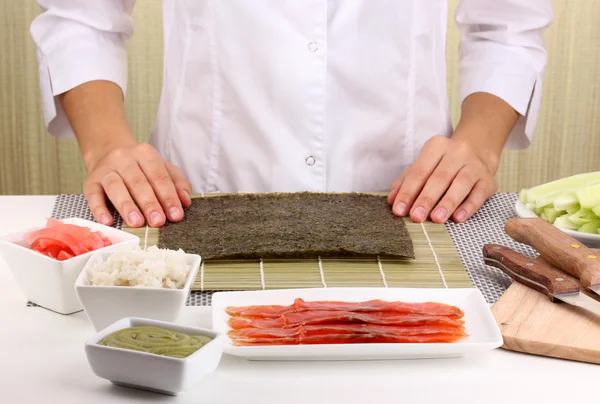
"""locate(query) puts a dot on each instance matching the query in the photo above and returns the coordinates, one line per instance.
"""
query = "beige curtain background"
(567, 139)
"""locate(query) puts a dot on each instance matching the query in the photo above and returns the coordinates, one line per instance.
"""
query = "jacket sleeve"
(79, 41)
(502, 53)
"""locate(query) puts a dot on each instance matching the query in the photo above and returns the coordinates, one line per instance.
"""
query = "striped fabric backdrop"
(567, 140)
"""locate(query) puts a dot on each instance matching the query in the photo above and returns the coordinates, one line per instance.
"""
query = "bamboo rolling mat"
(436, 264)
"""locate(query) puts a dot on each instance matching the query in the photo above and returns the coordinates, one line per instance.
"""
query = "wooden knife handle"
(537, 275)
(557, 247)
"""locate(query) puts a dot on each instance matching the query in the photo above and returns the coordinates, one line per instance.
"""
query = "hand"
(135, 177)
(450, 178)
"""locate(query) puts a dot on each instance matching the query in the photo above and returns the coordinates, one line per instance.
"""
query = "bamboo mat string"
(202, 264)
(202, 276)
(262, 274)
(146, 239)
(435, 257)
(385, 284)
(322, 272)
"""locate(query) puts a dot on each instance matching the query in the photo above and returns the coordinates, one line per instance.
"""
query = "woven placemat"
(487, 226)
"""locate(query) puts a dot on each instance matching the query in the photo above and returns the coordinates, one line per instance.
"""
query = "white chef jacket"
(312, 95)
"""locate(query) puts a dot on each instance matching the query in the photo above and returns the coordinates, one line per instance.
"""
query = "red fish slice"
(339, 317)
(259, 311)
(349, 339)
(429, 308)
(369, 329)
(274, 311)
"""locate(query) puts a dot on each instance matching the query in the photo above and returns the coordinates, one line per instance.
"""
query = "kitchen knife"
(540, 276)
(558, 248)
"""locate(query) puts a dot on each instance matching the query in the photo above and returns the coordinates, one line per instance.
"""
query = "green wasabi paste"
(156, 340)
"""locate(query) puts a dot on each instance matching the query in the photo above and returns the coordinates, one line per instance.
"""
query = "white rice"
(154, 267)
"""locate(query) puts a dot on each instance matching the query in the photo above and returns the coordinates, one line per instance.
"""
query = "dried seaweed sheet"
(293, 225)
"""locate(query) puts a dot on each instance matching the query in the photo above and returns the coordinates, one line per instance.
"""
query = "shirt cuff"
(516, 83)
(83, 59)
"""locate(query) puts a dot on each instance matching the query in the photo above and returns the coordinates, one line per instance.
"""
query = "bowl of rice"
(151, 283)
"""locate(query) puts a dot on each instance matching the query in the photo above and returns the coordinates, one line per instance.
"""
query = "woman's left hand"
(449, 179)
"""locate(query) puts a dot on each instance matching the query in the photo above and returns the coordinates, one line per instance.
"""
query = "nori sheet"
(292, 225)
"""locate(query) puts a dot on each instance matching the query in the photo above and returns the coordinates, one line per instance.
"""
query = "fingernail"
(135, 218)
(175, 213)
(187, 199)
(420, 214)
(400, 208)
(461, 215)
(105, 219)
(440, 213)
(155, 218)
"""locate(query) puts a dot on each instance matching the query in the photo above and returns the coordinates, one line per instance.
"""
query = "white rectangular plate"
(480, 324)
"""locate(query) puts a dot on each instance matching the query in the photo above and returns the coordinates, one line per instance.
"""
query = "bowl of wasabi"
(152, 355)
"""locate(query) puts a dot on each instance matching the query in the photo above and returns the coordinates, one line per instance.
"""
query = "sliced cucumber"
(551, 214)
(564, 223)
(541, 192)
(570, 203)
(523, 196)
(589, 197)
(578, 221)
(582, 216)
(565, 201)
(591, 227)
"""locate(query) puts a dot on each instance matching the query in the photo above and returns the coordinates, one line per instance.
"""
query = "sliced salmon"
(275, 311)
(350, 339)
(340, 317)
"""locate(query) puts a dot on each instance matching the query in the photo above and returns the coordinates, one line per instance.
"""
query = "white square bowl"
(106, 304)
(146, 371)
(48, 282)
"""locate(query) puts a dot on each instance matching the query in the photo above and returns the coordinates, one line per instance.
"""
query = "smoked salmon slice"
(350, 339)
(365, 329)
(428, 308)
(340, 317)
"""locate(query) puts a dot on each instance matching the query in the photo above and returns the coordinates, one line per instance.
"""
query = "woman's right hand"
(141, 185)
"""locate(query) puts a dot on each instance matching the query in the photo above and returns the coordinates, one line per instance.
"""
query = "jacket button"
(313, 46)
(310, 160)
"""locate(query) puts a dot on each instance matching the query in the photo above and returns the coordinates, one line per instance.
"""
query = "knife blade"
(558, 248)
(540, 276)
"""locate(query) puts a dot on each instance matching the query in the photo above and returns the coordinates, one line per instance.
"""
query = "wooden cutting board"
(531, 323)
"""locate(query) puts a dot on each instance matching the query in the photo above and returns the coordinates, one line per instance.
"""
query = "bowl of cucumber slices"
(572, 204)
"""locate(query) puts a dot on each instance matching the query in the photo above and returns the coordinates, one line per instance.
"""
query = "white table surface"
(42, 361)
